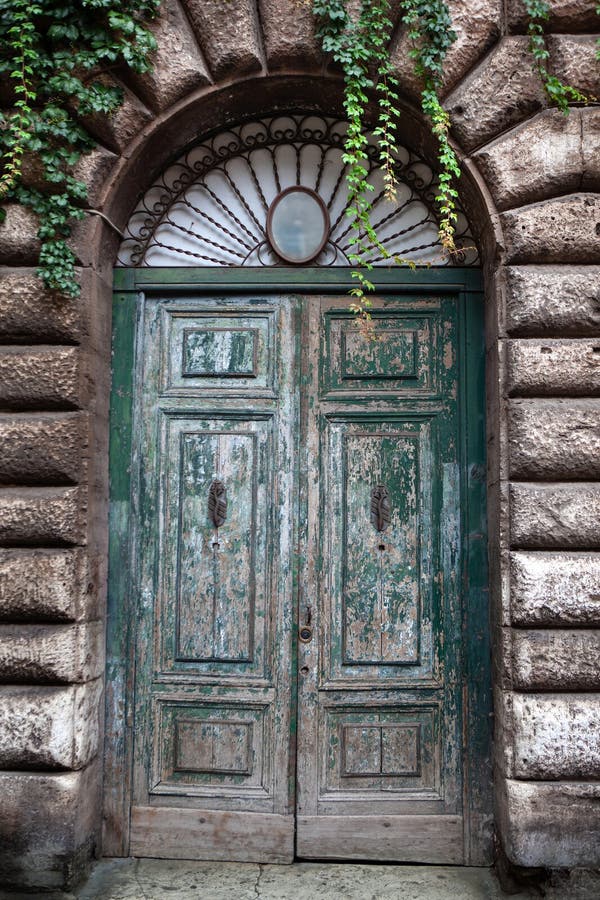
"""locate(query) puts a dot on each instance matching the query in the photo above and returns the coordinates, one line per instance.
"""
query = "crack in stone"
(257, 882)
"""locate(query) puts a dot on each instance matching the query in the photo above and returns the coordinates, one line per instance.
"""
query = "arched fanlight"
(274, 192)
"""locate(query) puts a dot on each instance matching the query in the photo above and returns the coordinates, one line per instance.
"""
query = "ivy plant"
(55, 54)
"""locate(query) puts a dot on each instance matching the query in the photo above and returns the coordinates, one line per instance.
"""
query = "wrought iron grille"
(210, 207)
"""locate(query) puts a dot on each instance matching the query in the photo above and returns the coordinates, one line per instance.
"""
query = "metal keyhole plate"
(305, 634)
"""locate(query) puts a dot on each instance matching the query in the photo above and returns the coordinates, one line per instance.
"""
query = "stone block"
(573, 60)
(555, 589)
(559, 300)
(49, 727)
(553, 824)
(565, 15)
(229, 35)
(42, 585)
(556, 660)
(554, 439)
(28, 312)
(500, 92)
(555, 516)
(556, 736)
(553, 368)
(590, 142)
(41, 378)
(177, 63)
(19, 243)
(41, 449)
(477, 24)
(45, 654)
(94, 170)
(538, 159)
(289, 34)
(119, 128)
(40, 516)
(48, 827)
(564, 230)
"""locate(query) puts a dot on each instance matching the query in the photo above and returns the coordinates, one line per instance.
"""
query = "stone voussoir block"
(500, 92)
(42, 585)
(537, 368)
(554, 439)
(550, 823)
(119, 128)
(547, 300)
(48, 827)
(229, 35)
(42, 378)
(573, 60)
(68, 654)
(590, 143)
(566, 229)
(565, 15)
(178, 65)
(556, 736)
(540, 158)
(552, 516)
(28, 312)
(41, 516)
(49, 727)
(555, 589)
(19, 243)
(556, 659)
(289, 34)
(41, 448)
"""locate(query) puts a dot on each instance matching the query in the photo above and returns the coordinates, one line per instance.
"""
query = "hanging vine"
(54, 52)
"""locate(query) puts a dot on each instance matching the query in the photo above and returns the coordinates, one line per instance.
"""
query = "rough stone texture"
(565, 15)
(118, 129)
(42, 585)
(41, 449)
(573, 60)
(49, 727)
(550, 824)
(555, 588)
(563, 230)
(19, 244)
(555, 515)
(40, 516)
(30, 313)
(477, 24)
(502, 91)
(94, 169)
(590, 140)
(228, 34)
(557, 736)
(553, 300)
(67, 654)
(177, 64)
(40, 378)
(553, 367)
(289, 34)
(541, 158)
(554, 439)
(556, 660)
(48, 829)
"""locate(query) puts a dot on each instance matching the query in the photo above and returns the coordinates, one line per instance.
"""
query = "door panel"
(217, 426)
(380, 720)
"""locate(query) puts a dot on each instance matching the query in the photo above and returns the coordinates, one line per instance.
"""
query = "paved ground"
(152, 879)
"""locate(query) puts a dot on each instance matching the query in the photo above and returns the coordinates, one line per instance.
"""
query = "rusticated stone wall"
(531, 182)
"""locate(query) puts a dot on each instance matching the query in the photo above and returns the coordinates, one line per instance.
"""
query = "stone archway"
(530, 184)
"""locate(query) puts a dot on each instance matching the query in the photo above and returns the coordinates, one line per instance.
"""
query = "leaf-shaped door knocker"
(217, 503)
(380, 507)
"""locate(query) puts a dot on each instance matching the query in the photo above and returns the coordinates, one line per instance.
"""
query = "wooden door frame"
(463, 283)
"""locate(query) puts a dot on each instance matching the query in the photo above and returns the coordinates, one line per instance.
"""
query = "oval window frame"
(326, 219)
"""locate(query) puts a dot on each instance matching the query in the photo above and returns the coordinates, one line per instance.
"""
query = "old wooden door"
(311, 653)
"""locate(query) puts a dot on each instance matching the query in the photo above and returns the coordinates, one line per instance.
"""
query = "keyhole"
(216, 545)
(382, 546)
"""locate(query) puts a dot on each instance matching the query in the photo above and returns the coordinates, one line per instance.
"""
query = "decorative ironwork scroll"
(210, 206)
(217, 503)
(380, 507)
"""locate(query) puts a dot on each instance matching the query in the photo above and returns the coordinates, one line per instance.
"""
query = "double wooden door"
(301, 683)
